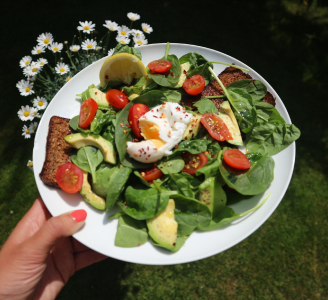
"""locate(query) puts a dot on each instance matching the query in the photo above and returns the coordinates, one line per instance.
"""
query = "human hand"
(40, 255)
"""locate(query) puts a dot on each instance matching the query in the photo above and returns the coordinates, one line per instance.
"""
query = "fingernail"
(79, 215)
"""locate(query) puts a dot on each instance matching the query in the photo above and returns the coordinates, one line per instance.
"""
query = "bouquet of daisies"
(44, 79)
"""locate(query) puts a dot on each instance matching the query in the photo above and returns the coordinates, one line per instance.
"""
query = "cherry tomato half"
(117, 98)
(151, 174)
(135, 112)
(69, 177)
(216, 127)
(87, 112)
(193, 162)
(194, 85)
(160, 66)
(236, 159)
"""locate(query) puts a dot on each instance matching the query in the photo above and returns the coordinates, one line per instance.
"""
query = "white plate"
(99, 234)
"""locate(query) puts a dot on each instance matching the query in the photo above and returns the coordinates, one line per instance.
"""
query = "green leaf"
(255, 88)
(180, 184)
(206, 106)
(103, 175)
(130, 232)
(174, 164)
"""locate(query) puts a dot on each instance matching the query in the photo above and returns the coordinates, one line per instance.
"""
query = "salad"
(170, 167)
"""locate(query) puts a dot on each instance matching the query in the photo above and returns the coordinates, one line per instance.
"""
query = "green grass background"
(284, 41)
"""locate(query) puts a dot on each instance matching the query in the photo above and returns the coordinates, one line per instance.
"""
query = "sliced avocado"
(98, 96)
(133, 96)
(184, 70)
(163, 228)
(89, 195)
(78, 140)
(226, 114)
(212, 194)
(193, 127)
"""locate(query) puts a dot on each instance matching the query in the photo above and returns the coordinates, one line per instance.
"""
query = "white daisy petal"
(33, 127)
(25, 61)
(30, 165)
(42, 61)
(45, 39)
(89, 44)
(25, 87)
(112, 26)
(40, 103)
(146, 28)
(26, 132)
(74, 48)
(139, 41)
(137, 33)
(86, 27)
(123, 30)
(62, 68)
(25, 113)
(123, 39)
(111, 51)
(56, 47)
(38, 50)
(133, 16)
(32, 70)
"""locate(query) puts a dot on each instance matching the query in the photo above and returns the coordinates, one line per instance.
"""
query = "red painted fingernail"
(79, 215)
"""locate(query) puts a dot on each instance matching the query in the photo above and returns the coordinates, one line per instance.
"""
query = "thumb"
(41, 243)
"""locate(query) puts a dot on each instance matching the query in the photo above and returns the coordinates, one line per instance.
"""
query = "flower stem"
(231, 65)
(167, 50)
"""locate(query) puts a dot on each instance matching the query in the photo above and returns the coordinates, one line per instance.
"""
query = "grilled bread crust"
(57, 150)
(229, 75)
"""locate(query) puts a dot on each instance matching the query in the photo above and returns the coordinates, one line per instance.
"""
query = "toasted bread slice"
(57, 150)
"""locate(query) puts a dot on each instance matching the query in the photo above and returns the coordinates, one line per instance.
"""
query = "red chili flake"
(155, 148)
(106, 76)
(212, 156)
(148, 155)
(190, 131)
(127, 125)
(178, 108)
(171, 73)
(192, 136)
(124, 131)
(155, 117)
(152, 110)
(176, 147)
(174, 244)
(148, 148)
(96, 93)
(184, 72)
(186, 138)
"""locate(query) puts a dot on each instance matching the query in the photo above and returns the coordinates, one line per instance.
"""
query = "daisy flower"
(25, 61)
(45, 39)
(40, 103)
(25, 113)
(42, 61)
(31, 78)
(34, 113)
(38, 49)
(68, 78)
(30, 165)
(111, 51)
(74, 48)
(25, 87)
(33, 69)
(56, 47)
(89, 44)
(62, 68)
(26, 132)
(123, 30)
(112, 26)
(139, 41)
(137, 33)
(133, 16)
(122, 39)
(86, 27)
(146, 28)
(33, 127)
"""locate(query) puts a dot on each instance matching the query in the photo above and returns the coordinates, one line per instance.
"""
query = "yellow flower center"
(26, 113)
(68, 79)
(40, 103)
(89, 46)
(27, 131)
(38, 51)
(139, 42)
(30, 164)
(41, 63)
(74, 49)
(132, 18)
(122, 42)
(111, 28)
(62, 70)
(86, 27)
(34, 69)
(46, 41)
(27, 89)
(27, 63)
(123, 32)
(55, 49)
(145, 29)
(35, 113)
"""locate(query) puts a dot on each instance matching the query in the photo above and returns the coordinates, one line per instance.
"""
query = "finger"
(87, 258)
(78, 247)
(29, 224)
(54, 229)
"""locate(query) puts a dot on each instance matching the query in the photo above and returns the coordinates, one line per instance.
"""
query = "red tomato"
(151, 174)
(135, 112)
(193, 162)
(216, 127)
(194, 85)
(236, 159)
(87, 112)
(160, 66)
(69, 177)
(117, 98)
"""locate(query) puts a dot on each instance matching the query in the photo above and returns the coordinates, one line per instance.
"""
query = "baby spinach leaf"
(117, 215)
(194, 58)
(116, 185)
(88, 158)
(120, 48)
(171, 95)
(145, 182)
(206, 106)
(144, 203)
(252, 181)
(256, 89)
(136, 86)
(191, 212)
(103, 175)
(181, 184)
(170, 79)
(209, 170)
(192, 146)
(101, 120)
(130, 232)
(178, 244)
(193, 181)
(174, 164)
(271, 138)
(122, 135)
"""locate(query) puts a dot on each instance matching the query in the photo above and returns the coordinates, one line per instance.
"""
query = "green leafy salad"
(169, 167)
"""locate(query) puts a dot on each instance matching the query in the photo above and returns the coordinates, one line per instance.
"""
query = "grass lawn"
(285, 42)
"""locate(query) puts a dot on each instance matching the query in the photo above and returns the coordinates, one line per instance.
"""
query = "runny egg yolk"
(150, 131)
